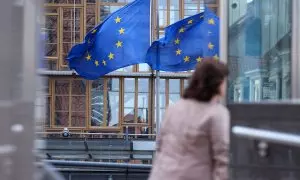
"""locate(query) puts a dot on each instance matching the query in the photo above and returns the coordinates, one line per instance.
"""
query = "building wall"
(111, 103)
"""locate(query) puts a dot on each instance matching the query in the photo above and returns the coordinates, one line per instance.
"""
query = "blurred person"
(193, 143)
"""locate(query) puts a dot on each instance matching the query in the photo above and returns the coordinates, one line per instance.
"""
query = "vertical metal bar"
(22, 79)
(295, 65)
(105, 102)
(223, 30)
(6, 79)
(157, 77)
(223, 42)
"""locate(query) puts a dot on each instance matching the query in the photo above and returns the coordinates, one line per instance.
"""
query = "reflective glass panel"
(259, 50)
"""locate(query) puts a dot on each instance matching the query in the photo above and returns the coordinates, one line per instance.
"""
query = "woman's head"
(208, 81)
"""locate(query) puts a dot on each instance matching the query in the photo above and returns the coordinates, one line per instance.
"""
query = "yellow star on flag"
(97, 63)
(177, 41)
(94, 31)
(216, 57)
(118, 19)
(190, 21)
(178, 52)
(210, 45)
(111, 56)
(119, 44)
(211, 21)
(181, 30)
(88, 57)
(104, 62)
(122, 31)
(199, 59)
(186, 58)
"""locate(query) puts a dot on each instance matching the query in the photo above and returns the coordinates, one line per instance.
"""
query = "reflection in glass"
(143, 92)
(61, 99)
(193, 7)
(107, 10)
(61, 119)
(113, 102)
(174, 90)
(129, 98)
(162, 99)
(259, 50)
(97, 103)
(62, 87)
(174, 11)
(162, 13)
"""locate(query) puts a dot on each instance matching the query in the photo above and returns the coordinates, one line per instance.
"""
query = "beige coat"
(193, 143)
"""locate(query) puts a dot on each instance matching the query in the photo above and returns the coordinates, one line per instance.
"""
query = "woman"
(194, 138)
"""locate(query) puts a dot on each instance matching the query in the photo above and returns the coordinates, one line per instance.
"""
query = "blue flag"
(186, 43)
(120, 40)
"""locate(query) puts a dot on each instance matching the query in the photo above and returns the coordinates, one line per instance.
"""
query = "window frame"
(82, 28)
(105, 102)
(52, 103)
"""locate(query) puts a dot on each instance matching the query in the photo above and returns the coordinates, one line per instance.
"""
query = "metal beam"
(44, 72)
(98, 164)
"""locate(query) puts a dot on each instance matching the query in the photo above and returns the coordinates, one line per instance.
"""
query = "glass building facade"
(259, 50)
(123, 99)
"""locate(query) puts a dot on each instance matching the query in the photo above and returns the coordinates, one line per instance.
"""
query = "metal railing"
(98, 164)
(267, 135)
(95, 135)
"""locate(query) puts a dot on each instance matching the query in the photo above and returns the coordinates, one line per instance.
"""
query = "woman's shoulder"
(183, 104)
(219, 110)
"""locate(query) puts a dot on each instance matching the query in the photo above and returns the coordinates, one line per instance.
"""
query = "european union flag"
(186, 43)
(121, 40)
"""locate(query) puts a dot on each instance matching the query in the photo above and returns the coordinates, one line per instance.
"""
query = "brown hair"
(206, 80)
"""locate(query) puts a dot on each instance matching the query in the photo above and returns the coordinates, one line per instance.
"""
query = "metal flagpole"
(157, 79)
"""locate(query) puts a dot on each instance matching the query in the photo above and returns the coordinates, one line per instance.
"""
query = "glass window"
(51, 31)
(143, 100)
(71, 30)
(78, 103)
(42, 104)
(64, 1)
(70, 103)
(162, 99)
(129, 100)
(174, 90)
(259, 50)
(91, 20)
(51, 51)
(97, 103)
(169, 12)
(162, 6)
(61, 111)
(193, 7)
(174, 11)
(107, 9)
(113, 99)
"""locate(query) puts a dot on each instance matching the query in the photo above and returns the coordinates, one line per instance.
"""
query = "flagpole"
(157, 75)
